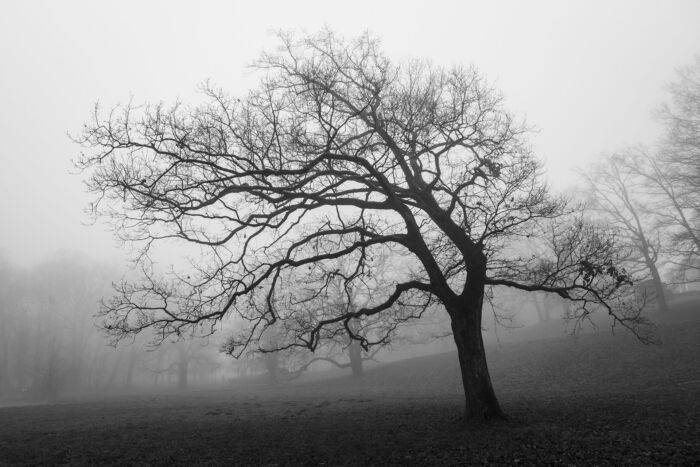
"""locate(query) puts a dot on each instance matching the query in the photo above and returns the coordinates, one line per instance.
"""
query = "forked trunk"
(481, 402)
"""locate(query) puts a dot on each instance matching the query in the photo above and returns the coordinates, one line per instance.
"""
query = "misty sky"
(587, 75)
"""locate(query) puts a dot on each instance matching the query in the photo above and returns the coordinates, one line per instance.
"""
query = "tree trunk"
(271, 361)
(658, 288)
(481, 402)
(647, 252)
(355, 352)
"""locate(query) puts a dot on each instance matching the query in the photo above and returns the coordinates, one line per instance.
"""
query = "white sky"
(586, 74)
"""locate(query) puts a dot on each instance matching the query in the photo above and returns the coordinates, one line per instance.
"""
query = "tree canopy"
(342, 154)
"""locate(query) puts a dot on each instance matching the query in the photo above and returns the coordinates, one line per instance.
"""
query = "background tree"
(178, 360)
(50, 346)
(340, 154)
(674, 173)
(47, 334)
(622, 198)
(653, 194)
(682, 140)
(669, 201)
(343, 292)
(188, 352)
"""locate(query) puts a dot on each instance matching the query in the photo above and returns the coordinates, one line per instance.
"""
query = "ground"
(595, 400)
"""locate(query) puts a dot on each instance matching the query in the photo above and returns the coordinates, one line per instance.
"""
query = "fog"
(189, 303)
(53, 347)
(585, 75)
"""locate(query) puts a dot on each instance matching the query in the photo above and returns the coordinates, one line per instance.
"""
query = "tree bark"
(480, 398)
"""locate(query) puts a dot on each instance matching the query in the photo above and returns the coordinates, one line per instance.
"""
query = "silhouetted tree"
(341, 154)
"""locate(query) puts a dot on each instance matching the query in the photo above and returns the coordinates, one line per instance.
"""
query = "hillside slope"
(599, 362)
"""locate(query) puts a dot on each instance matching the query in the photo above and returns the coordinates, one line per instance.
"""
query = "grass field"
(594, 400)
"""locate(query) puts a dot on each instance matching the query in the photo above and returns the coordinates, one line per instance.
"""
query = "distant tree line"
(50, 344)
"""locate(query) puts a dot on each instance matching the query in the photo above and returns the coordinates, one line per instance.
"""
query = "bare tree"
(682, 141)
(667, 178)
(189, 351)
(670, 202)
(343, 292)
(341, 297)
(621, 196)
(674, 173)
(340, 154)
(175, 360)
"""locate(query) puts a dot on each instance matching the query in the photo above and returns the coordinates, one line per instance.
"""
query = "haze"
(587, 75)
(403, 278)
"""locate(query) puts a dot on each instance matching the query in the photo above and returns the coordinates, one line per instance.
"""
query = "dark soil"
(597, 400)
